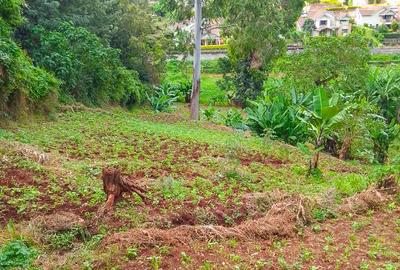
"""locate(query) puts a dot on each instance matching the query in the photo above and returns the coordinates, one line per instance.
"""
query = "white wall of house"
(373, 20)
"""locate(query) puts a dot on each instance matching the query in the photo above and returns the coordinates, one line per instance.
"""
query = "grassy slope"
(182, 163)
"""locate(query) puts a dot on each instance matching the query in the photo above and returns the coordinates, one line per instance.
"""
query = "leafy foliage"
(163, 98)
(309, 26)
(278, 117)
(246, 83)
(234, 119)
(210, 113)
(337, 62)
(325, 115)
(255, 28)
(16, 254)
(382, 135)
(184, 89)
(10, 15)
(90, 71)
(383, 89)
(23, 86)
(142, 39)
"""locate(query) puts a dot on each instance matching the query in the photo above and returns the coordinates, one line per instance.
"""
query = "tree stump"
(115, 185)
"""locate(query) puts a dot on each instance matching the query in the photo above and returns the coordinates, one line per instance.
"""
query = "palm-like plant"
(278, 117)
(324, 116)
(383, 89)
(163, 98)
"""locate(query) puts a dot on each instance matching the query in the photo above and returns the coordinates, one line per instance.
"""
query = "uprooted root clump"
(280, 221)
(372, 198)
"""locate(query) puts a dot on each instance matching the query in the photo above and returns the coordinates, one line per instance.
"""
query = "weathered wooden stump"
(115, 185)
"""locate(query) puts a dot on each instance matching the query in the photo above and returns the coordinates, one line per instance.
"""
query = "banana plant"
(163, 98)
(322, 118)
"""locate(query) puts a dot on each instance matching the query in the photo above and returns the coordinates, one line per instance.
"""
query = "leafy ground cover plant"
(234, 119)
(210, 113)
(16, 254)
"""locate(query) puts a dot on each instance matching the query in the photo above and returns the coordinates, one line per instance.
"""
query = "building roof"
(316, 11)
(371, 10)
(313, 12)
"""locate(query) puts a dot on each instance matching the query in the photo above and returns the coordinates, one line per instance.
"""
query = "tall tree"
(254, 30)
(127, 25)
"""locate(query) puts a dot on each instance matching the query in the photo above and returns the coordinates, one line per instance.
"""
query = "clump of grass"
(347, 185)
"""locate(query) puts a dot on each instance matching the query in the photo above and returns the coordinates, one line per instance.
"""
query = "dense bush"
(10, 15)
(392, 35)
(129, 26)
(277, 116)
(211, 66)
(90, 71)
(383, 90)
(23, 87)
(337, 62)
(245, 81)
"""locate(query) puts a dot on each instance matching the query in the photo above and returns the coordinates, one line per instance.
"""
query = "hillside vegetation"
(194, 175)
(289, 161)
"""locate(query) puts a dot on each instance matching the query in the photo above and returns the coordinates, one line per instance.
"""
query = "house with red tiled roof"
(328, 20)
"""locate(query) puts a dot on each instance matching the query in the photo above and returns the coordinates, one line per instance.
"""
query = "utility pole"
(195, 98)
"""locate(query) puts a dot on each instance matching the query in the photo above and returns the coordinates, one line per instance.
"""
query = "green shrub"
(278, 117)
(64, 240)
(392, 35)
(212, 66)
(383, 29)
(209, 113)
(184, 89)
(24, 87)
(16, 254)
(245, 82)
(395, 26)
(91, 72)
(350, 184)
(382, 135)
(234, 119)
(163, 98)
(322, 214)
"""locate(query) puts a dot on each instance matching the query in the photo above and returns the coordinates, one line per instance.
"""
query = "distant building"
(332, 20)
(374, 16)
(328, 21)
(211, 33)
